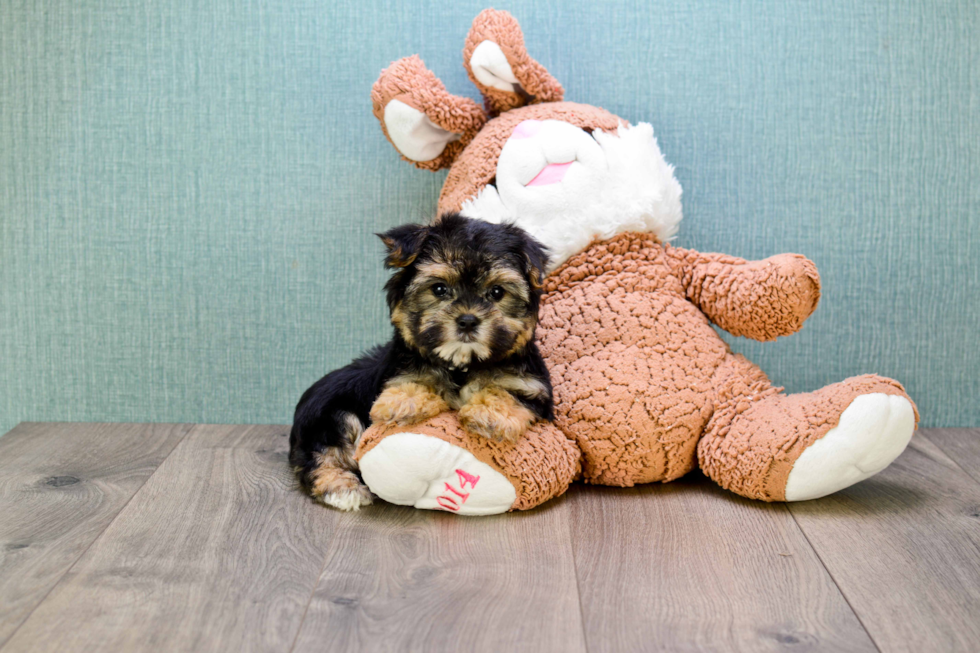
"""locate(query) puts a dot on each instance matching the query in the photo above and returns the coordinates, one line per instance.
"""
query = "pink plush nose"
(526, 129)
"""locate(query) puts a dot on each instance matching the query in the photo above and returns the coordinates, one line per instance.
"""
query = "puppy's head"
(464, 290)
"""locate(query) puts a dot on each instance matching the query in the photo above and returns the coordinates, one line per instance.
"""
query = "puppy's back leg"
(331, 475)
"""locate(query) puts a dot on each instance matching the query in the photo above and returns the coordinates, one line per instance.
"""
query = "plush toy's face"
(567, 173)
(543, 165)
(567, 185)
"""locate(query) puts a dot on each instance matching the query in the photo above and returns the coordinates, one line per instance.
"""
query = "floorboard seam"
(95, 539)
(833, 580)
(578, 586)
(316, 585)
(925, 434)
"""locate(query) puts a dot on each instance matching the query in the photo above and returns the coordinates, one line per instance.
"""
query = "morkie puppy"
(464, 302)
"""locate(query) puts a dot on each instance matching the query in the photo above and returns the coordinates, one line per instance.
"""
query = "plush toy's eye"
(440, 290)
(496, 293)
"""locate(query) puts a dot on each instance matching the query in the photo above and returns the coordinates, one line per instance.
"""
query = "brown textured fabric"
(643, 383)
(538, 85)
(409, 81)
(757, 433)
(478, 167)
(631, 361)
(760, 299)
(540, 465)
(640, 375)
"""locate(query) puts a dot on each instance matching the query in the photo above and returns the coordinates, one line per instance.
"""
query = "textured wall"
(188, 189)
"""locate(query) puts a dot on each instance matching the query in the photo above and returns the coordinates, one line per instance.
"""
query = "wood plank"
(60, 486)
(217, 552)
(904, 547)
(402, 579)
(961, 445)
(687, 566)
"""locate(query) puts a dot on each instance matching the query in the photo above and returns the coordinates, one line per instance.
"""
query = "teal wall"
(188, 189)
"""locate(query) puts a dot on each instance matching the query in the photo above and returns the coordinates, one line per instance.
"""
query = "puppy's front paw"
(349, 499)
(338, 487)
(405, 404)
(495, 414)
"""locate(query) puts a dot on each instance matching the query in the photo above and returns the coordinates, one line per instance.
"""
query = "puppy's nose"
(467, 322)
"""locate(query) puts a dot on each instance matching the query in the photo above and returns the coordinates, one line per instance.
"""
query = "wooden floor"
(193, 538)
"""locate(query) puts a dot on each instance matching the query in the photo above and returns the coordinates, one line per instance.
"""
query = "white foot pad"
(411, 469)
(872, 432)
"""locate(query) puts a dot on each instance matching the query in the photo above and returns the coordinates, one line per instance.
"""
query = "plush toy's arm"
(756, 299)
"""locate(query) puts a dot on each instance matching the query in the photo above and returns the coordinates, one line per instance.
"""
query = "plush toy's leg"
(437, 465)
(766, 445)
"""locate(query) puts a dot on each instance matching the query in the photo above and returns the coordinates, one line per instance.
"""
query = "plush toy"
(645, 389)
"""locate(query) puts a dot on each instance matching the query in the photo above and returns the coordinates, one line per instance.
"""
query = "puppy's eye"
(496, 293)
(440, 290)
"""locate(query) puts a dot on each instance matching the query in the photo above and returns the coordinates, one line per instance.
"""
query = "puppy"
(464, 302)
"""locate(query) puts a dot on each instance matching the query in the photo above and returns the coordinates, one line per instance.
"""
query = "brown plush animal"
(645, 390)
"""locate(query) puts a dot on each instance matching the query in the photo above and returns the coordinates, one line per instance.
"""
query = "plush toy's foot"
(411, 469)
(765, 445)
(872, 432)
(437, 465)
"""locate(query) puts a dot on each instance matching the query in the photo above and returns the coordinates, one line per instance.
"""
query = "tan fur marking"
(525, 332)
(495, 413)
(399, 319)
(407, 403)
(436, 270)
(526, 387)
(502, 274)
(535, 277)
(353, 430)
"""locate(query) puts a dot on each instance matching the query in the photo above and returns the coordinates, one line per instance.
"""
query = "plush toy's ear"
(501, 68)
(428, 126)
(403, 244)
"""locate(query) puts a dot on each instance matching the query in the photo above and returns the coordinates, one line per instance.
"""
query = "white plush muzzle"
(567, 187)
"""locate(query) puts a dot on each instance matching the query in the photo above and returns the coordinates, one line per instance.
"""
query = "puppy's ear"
(403, 244)
(536, 261)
